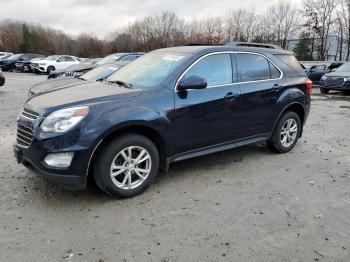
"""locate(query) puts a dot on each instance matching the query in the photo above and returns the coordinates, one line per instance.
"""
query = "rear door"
(209, 116)
(261, 84)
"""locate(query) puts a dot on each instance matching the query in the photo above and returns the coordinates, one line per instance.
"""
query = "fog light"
(59, 159)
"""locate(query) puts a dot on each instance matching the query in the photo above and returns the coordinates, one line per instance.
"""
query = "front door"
(208, 116)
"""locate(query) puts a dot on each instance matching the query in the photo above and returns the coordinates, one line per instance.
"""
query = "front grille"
(28, 114)
(35, 65)
(332, 81)
(24, 135)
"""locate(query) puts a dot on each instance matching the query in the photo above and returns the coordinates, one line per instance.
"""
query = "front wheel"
(127, 166)
(286, 133)
(50, 69)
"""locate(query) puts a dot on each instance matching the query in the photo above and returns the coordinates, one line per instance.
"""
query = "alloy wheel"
(131, 167)
(289, 132)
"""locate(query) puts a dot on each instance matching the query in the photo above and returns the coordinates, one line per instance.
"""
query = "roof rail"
(250, 44)
(201, 44)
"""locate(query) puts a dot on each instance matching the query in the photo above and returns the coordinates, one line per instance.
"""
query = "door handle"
(231, 96)
(277, 87)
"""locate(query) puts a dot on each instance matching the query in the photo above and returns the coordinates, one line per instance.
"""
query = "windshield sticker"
(172, 57)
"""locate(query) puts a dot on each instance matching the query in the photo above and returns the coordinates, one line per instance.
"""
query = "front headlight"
(62, 120)
(323, 78)
(42, 64)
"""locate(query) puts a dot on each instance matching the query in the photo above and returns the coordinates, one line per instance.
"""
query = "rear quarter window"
(293, 67)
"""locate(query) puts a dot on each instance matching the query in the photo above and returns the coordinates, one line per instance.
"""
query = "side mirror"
(192, 82)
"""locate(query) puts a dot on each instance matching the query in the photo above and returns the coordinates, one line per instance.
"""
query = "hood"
(85, 93)
(51, 85)
(80, 67)
(339, 74)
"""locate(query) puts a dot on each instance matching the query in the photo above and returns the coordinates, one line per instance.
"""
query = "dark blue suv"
(169, 105)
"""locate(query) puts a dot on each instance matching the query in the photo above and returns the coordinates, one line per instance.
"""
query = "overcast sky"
(101, 17)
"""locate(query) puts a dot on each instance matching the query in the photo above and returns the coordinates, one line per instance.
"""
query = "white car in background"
(54, 62)
(5, 55)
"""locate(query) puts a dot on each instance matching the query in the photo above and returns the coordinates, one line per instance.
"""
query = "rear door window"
(253, 67)
(216, 69)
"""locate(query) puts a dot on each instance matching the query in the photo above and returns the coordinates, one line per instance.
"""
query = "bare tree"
(324, 10)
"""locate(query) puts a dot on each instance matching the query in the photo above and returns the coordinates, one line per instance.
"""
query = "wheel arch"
(144, 130)
(296, 107)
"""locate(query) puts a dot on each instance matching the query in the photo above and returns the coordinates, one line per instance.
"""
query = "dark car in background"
(338, 80)
(169, 105)
(315, 72)
(25, 66)
(10, 63)
(97, 74)
(2, 78)
(76, 70)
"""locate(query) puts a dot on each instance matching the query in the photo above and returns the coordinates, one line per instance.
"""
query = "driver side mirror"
(192, 82)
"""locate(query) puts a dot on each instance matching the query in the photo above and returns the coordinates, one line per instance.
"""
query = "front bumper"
(344, 87)
(69, 182)
(73, 177)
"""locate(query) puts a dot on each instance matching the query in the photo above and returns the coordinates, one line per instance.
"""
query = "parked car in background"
(24, 66)
(169, 105)
(84, 67)
(315, 72)
(97, 74)
(4, 55)
(332, 67)
(338, 80)
(2, 78)
(54, 62)
(10, 63)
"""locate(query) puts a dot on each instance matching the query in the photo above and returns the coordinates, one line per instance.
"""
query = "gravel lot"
(245, 204)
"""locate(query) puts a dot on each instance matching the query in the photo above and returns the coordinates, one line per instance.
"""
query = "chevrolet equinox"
(169, 105)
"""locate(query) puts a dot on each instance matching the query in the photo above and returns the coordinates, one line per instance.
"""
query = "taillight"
(309, 85)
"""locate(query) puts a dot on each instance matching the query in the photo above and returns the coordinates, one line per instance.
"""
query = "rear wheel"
(286, 133)
(127, 166)
(50, 69)
(324, 91)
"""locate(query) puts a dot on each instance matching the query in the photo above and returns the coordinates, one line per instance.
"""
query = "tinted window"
(293, 64)
(216, 69)
(253, 67)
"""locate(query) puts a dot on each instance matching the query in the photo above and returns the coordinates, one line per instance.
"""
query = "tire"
(324, 91)
(112, 154)
(276, 142)
(50, 69)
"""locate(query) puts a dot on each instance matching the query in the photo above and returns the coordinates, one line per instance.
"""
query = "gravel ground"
(245, 204)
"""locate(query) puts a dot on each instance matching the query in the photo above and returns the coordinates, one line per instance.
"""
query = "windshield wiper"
(121, 83)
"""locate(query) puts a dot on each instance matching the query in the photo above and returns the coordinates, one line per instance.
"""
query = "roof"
(207, 49)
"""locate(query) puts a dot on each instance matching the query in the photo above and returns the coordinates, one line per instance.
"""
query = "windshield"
(52, 57)
(343, 68)
(14, 57)
(108, 59)
(150, 69)
(100, 72)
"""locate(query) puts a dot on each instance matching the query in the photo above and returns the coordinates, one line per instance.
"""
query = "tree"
(302, 50)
